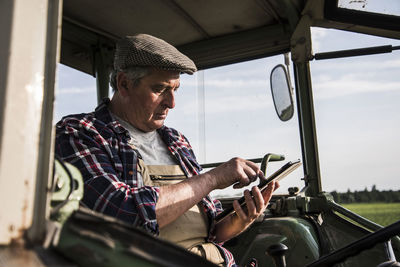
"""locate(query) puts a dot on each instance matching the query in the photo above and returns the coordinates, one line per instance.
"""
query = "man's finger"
(251, 206)
(258, 199)
(250, 173)
(239, 211)
(267, 193)
(261, 175)
(277, 185)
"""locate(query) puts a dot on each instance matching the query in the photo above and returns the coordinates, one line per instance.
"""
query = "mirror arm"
(287, 64)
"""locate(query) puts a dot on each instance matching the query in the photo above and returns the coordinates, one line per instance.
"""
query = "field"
(380, 213)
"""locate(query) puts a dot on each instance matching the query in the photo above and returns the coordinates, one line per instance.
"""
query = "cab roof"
(212, 33)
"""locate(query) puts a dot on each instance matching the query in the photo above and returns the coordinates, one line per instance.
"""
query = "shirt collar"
(103, 113)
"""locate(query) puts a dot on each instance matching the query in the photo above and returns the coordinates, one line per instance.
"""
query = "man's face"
(148, 103)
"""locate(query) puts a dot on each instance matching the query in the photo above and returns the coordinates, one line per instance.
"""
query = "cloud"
(331, 88)
(229, 84)
(76, 90)
(238, 103)
(233, 93)
(355, 76)
(230, 103)
(373, 64)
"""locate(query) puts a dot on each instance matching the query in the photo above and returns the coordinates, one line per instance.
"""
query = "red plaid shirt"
(98, 146)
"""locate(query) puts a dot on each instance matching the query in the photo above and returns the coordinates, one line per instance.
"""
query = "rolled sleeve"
(109, 188)
(218, 206)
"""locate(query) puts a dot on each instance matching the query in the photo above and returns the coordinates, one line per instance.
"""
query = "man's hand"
(254, 206)
(236, 171)
(176, 199)
(244, 217)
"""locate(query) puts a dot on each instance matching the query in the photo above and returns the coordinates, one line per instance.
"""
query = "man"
(140, 171)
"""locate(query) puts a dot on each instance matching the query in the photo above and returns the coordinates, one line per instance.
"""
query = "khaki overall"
(191, 229)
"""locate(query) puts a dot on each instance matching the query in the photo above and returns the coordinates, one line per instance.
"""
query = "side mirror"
(281, 93)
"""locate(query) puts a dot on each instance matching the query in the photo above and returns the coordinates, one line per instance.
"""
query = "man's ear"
(122, 83)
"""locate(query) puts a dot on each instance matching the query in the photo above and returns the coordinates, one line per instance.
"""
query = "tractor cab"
(270, 120)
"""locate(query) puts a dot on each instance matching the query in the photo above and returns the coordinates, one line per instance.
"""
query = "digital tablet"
(278, 175)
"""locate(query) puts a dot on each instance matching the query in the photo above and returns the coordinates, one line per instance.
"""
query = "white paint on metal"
(21, 113)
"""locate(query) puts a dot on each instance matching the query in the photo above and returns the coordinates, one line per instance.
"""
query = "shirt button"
(130, 172)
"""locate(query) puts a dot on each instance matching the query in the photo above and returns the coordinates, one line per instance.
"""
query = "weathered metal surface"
(338, 232)
(298, 234)
(22, 92)
(20, 256)
(92, 239)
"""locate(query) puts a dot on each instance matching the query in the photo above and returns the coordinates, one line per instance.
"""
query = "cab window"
(357, 117)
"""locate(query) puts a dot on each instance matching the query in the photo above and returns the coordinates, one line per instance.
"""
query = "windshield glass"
(228, 112)
(75, 92)
(357, 116)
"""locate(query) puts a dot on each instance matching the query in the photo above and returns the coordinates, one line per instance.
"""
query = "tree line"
(365, 196)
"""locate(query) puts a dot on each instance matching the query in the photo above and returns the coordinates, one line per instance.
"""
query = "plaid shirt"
(98, 146)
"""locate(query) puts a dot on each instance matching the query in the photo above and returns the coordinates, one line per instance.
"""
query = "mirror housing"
(281, 93)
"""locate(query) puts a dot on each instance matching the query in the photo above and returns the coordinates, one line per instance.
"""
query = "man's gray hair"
(133, 73)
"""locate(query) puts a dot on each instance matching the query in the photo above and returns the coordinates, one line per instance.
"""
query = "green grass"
(380, 213)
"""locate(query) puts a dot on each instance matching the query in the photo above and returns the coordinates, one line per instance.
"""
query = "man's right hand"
(236, 171)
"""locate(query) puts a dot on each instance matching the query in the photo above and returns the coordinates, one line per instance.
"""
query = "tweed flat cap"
(144, 50)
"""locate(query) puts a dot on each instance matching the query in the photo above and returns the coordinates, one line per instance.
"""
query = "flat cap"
(143, 50)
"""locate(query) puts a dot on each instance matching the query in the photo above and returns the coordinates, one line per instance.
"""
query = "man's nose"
(169, 99)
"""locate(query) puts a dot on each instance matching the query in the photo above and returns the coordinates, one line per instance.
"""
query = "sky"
(228, 111)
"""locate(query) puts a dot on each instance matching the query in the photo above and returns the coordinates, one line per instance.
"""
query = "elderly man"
(138, 170)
